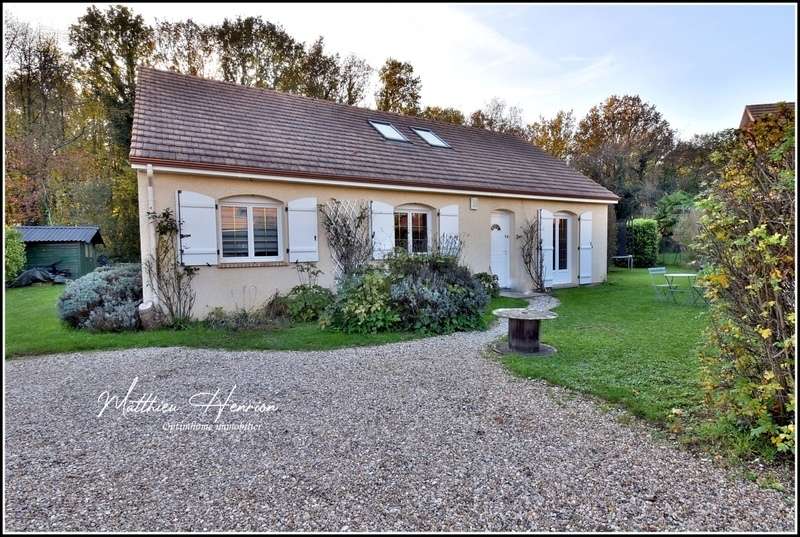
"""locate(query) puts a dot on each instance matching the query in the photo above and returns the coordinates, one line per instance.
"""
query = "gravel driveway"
(423, 435)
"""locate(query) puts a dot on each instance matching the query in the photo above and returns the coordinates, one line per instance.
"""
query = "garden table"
(523, 329)
(627, 258)
(690, 279)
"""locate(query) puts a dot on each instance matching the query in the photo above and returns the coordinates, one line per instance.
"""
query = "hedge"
(643, 239)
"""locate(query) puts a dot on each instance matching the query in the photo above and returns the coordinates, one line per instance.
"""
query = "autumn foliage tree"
(620, 144)
(747, 238)
(399, 88)
(555, 135)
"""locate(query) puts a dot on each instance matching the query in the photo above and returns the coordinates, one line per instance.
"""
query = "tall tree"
(109, 46)
(621, 144)
(497, 116)
(254, 52)
(555, 135)
(400, 89)
(40, 98)
(691, 163)
(354, 75)
(320, 73)
(449, 115)
(185, 47)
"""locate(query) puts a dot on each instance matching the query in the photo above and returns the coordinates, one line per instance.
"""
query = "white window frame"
(250, 205)
(442, 144)
(408, 210)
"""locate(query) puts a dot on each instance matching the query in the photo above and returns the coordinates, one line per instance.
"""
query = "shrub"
(747, 243)
(307, 302)
(362, 304)
(429, 303)
(273, 313)
(490, 282)
(15, 253)
(433, 293)
(103, 300)
(643, 240)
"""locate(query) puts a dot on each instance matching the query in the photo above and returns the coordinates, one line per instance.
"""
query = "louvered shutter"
(302, 217)
(197, 228)
(546, 233)
(585, 249)
(448, 222)
(382, 222)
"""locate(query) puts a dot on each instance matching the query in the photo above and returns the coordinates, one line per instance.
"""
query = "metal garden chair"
(664, 290)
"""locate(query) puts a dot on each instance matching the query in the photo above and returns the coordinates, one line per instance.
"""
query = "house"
(246, 168)
(752, 112)
(70, 248)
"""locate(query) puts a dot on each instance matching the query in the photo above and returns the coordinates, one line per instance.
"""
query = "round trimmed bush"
(307, 302)
(106, 299)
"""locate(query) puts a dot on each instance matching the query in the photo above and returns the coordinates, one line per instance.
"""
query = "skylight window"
(388, 131)
(430, 137)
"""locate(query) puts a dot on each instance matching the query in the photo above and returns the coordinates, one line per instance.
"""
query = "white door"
(501, 231)
(562, 249)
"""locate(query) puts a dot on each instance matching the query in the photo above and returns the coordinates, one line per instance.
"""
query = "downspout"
(151, 226)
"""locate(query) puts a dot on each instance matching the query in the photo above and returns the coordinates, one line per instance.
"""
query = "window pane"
(419, 232)
(555, 238)
(431, 138)
(562, 243)
(401, 231)
(234, 231)
(265, 231)
(388, 131)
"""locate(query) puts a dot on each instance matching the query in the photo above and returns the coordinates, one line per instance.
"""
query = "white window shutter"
(382, 229)
(197, 228)
(302, 216)
(585, 248)
(546, 233)
(448, 222)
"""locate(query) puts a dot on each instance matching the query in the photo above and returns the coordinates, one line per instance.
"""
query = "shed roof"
(87, 234)
(190, 122)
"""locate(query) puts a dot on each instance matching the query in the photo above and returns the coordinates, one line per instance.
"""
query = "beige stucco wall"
(251, 286)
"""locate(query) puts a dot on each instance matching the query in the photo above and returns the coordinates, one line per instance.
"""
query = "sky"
(699, 64)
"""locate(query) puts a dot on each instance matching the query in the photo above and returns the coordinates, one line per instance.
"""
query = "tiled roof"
(753, 112)
(87, 234)
(192, 122)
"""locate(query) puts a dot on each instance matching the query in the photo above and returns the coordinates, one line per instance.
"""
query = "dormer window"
(388, 131)
(431, 137)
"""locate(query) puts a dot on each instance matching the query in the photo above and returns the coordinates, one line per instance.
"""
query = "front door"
(561, 250)
(501, 230)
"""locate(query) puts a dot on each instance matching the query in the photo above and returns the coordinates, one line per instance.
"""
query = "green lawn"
(33, 327)
(617, 342)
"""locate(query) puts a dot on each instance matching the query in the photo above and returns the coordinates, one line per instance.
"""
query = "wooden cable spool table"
(523, 331)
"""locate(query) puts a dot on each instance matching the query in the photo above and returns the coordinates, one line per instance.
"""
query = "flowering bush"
(747, 243)
(106, 299)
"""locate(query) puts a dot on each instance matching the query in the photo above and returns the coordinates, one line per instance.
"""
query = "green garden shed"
(70, 248)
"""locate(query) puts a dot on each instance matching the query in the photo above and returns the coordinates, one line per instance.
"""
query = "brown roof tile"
(753, 112)
(207, 124)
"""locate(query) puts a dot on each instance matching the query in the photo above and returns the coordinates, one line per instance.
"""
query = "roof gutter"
(151, 165)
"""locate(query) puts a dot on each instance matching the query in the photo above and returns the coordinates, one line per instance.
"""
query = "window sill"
(251, 264)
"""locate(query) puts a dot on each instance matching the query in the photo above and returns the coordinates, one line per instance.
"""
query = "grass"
(617, 342)
(33, 327)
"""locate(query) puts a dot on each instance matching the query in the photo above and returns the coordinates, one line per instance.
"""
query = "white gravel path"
(422, 435)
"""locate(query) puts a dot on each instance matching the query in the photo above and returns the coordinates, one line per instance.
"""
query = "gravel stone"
(422, 435)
